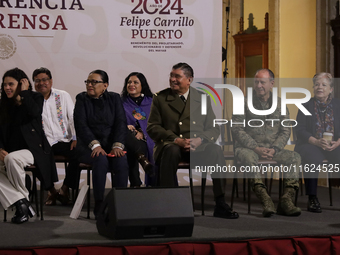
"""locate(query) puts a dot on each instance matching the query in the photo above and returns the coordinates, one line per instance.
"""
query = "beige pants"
(12, 177)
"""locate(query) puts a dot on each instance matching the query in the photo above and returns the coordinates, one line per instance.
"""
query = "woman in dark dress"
(22, 143)
(311, 143)
(137, 98)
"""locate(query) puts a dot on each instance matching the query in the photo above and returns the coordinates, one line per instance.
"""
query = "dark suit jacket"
(170, 118)
(30, 122)
(306, 126)
(100, 119)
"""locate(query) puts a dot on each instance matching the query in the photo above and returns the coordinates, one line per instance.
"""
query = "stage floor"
(58, 229)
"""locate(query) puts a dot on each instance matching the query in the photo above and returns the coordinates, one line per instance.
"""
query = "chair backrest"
(226, 137)
(292, 141)
(61, 159)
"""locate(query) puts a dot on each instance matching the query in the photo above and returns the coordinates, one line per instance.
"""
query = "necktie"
(183, 98)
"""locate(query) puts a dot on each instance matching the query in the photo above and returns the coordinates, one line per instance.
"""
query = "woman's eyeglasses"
(93, 82)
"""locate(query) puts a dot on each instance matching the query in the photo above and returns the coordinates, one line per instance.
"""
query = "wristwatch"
(276, 149)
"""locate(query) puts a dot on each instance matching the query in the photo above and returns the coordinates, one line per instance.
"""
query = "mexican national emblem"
(7, 46)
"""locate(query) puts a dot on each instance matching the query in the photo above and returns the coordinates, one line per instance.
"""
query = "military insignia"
(139, 114)
(7, 46)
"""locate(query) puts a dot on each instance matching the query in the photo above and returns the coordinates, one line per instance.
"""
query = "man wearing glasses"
(59, 129)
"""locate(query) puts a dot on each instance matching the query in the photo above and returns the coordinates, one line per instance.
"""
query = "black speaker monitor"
(146, 213)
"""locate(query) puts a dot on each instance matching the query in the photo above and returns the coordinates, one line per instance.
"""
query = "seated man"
(59, 129)
(169, 126)
(267, 142)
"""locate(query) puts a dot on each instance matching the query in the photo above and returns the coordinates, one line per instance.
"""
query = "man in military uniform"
(181, 132)
(267, 141)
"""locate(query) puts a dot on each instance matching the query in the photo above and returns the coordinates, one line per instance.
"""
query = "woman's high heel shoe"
(145, 163)
(22, 212)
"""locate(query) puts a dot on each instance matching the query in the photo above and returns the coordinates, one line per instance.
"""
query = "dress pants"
(101, 165)
(12, 177)
(311, 154)
(71, 172)
(134, 147)
(172, 154)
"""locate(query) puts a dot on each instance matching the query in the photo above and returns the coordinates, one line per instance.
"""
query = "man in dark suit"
(181, 132)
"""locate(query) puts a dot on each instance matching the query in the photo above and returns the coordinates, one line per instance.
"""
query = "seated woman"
(137, 98)
(310, 131)
(22, 143)
(100, 125)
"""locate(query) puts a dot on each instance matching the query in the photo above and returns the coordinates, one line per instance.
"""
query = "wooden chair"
(186, 165)
(35, 174)
(61, 159)
(226, 140)
(88, 168)
(66, 160)
(325, 161)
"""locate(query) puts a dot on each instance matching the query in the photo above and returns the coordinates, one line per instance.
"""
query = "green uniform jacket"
(272, 133)
(171, 118)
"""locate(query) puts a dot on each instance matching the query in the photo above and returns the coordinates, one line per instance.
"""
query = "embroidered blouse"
(57, 117)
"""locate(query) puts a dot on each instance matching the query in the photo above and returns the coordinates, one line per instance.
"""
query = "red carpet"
(325, 245)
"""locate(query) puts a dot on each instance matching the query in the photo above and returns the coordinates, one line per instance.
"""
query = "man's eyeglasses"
(176, 76)
(93, 82)
(43, 80)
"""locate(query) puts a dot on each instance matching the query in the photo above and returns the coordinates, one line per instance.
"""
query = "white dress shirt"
(57, 117)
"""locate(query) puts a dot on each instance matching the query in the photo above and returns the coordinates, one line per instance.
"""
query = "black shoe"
(147, 166)
(313, 205)
(64, 197)
(222, 210)
(22, 212)
(97, 206)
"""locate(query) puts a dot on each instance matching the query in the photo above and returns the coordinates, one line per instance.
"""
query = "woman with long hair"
(137, 98)
(22, 143)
